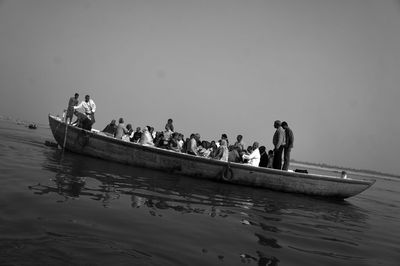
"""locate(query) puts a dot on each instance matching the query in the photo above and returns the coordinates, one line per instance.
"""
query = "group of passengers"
(170, 139)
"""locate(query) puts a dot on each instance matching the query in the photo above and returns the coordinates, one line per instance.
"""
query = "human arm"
(254, 155)
(78, 106)
(93, 106)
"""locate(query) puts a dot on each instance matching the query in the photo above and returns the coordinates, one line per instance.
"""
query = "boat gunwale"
(185, 156)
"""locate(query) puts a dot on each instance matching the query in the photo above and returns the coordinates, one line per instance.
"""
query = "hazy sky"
(330, 68)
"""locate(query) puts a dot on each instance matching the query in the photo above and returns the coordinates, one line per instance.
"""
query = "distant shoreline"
(320, 166)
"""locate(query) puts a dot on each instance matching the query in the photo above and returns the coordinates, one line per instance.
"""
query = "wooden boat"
(108, 148)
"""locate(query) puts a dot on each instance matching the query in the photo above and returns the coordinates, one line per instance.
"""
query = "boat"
(93, 143)
(32, 126)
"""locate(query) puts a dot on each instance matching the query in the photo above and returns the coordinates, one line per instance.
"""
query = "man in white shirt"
(89, 107)
(254, 157)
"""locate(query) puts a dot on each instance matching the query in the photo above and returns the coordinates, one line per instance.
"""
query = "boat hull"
(100, 146)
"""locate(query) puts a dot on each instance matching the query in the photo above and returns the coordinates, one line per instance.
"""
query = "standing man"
(73, 101)
(279, 141)
(90, 108)
(289, 138)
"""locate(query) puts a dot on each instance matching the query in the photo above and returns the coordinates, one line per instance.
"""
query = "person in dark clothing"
(137, 135)
(110, 128)
(287, 148)
(263, 157)
(279, 142)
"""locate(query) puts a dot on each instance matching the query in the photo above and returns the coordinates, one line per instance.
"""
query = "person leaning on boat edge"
(279, 142)
(73, 101)
(89, 107)
(287, 148)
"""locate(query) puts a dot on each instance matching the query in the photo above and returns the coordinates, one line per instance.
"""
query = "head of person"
(121, 120)
(197, 136)
(239, 138)
(262, 149)
(255, 145)
(224, 136)
(76, 95)
(277, 123)
(250, 149)
(138, 129)
(270, 152)
(169, 121)
(129, 126)
(145, 129)
(224, 143)
(87, 98)
(284, 124)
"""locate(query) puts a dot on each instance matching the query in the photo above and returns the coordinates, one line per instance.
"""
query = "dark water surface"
(85, 211)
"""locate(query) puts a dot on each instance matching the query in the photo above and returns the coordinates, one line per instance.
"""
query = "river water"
(68, 209)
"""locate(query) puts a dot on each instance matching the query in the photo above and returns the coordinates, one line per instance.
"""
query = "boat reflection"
(80, 176)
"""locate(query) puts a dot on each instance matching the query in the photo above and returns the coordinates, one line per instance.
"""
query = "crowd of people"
(170, 139)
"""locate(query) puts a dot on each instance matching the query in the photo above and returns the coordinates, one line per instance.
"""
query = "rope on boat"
(227, 173)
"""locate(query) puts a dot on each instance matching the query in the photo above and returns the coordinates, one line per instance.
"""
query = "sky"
(330, 68)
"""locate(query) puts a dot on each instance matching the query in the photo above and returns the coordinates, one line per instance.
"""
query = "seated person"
(270, 158)
(214, 149)
(254, 157)
(248, 151)
(110, 129)
(222, 152)
(192, 145)
(239, 145)
(129, 134)
(234, 155)
(204, 149)
(174, 142)
(180, 142)
(146, 139)
(136, 135)
(159, 141)
(263, 157)
(121, 129)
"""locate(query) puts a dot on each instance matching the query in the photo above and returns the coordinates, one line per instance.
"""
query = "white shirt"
(89, 107)
(254, 157)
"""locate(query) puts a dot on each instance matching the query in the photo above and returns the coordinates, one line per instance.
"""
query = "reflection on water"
(156, 190)
(269, 214)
